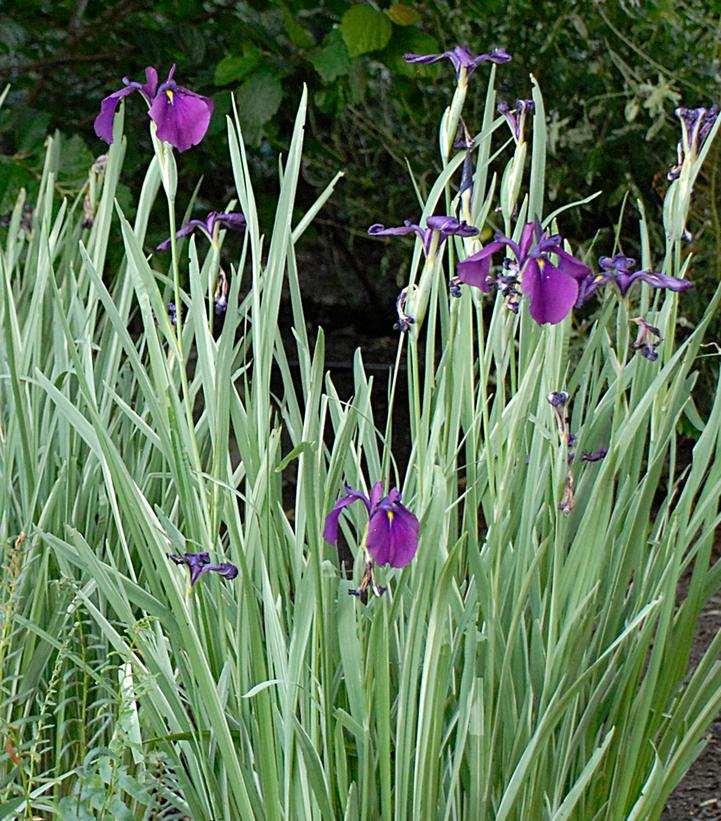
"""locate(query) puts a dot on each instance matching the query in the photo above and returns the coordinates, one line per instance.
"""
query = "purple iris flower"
(696, 123)
(181, 116)
(199, 563)
(551, 288)
(234, 221)
(516, 119)
(618, 270)
(446, 227)
(461, 58)
(392, 529)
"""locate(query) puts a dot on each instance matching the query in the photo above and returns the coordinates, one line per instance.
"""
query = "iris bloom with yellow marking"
(392, 533)
(181, 116)
(542, 270)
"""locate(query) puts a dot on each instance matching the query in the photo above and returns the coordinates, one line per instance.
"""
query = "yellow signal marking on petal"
(598, 278)
(391, 514)
(541, 262)
(170, 96)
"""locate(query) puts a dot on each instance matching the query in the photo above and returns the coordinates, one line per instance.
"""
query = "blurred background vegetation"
(611, 74)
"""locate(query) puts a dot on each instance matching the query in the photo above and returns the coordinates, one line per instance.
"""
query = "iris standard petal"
(150, 87)
(103, 124)
(530, 232)
(393, 536)
(376, 496)
(552, 293)
(330, 529)
(182, 117)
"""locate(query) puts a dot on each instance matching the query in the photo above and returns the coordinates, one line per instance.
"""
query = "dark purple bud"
(647, 340)
(454, 287)
(568, 501)
(558, 398)
(220, 298)
(516, 118)
(696, 123)
(405, 321)
(368, 582)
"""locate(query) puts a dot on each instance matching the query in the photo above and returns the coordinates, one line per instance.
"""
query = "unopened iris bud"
(405, 321)
(648, 339)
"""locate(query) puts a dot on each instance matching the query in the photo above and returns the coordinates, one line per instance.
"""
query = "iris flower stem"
(414, 395)
(213, 276)
(622, 343)
(391, 404)
(483, 381)
(185, 387)
(414, 387)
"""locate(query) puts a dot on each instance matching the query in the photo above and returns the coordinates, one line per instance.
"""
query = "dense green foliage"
(530, 662)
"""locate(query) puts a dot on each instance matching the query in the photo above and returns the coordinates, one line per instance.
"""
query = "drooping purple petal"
(104, 121)
(181, 116)
(656, 280)
(618, 270)
(474, 270)
(569, 265)
(450, 226)
(596, 456)
(330, 530)
(587, 287)
(188, 228)
(234, 221)
(379, 230)
(461, 58)
(226, 570)
(552, 293)
(393, 535)
(199, 563)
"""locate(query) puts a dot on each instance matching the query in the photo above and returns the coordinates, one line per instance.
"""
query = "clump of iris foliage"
(524, 652)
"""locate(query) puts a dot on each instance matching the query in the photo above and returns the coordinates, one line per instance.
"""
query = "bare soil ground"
(699, 793)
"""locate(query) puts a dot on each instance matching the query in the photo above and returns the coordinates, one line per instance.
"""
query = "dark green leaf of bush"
(332, 60)
(364, 29)
(258, 99)
(403, 15)
(75, 159)
(297, 34)
(234, 68)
